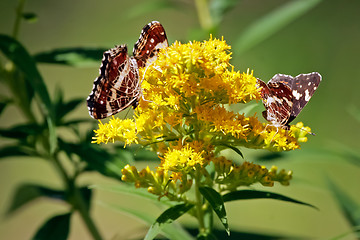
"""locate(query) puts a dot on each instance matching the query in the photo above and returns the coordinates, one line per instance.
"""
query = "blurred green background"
(325, 39)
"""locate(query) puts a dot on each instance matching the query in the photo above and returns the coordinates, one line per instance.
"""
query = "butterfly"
(118, 85)
(285, 96)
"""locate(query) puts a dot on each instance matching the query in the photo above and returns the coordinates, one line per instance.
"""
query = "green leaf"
(130, 190)
(4, 103)
(354, 112)
(171, 231)
(56, 228)
(254, 194)
(29, 192)
(216, 202)
(349, 206)
(272, 23)
(79, 57)
(233, 148)
(24, 62)
(30, 17)
(63, 108)
(86, 193)
(22, 131)
(53, 144)
(22, 59)
(97, 158)
(17, 150)
(167, 217)
(218, 8)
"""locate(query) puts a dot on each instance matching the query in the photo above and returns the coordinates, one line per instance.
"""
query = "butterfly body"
(118, 85)
(285, 96)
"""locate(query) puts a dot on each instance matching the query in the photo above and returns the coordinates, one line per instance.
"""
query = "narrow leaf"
(29, 192)
(128, 189)
(97, 158)
(350, 208)
(4, 103)
(30, 17)
(218, 9)
(171, 231)
(272, 23)
(22, 59)
(86, 193)
(254, 194)
(22, 131)
(56, 228)
(235, 149)
(80, 57)
(217, 203)
(52, 135)
(17, 150)
(168, 216)
(24, 62)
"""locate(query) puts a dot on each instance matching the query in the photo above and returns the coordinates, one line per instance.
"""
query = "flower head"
(183, 160)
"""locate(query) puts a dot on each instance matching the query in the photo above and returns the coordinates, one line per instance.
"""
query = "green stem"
(202, 8)
(19, 12)
(81, 207)
(78, 201)
(199, 203)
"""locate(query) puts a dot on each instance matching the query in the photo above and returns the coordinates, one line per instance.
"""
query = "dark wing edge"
(152, 39)
(108, 95)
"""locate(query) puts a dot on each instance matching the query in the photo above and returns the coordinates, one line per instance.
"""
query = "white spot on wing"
(296, 94)
(307, 95)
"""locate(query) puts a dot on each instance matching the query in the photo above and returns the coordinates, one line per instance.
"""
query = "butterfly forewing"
(303, 89)
(152, 39)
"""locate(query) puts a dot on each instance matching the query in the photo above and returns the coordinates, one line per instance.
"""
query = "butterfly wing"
(151, 40)
(303, 89)
(277, 99)
(117, 86)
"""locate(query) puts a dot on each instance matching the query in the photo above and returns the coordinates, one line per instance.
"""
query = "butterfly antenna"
(303, 129)
(127, 113)
(142, 79)
(277, 131)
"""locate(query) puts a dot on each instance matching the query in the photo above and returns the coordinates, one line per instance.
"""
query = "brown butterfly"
(118, 85)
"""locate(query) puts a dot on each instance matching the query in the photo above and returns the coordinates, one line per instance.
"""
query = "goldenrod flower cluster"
(183, 116)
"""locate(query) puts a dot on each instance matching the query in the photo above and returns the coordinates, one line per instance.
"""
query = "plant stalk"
(199, 203)
(202, 8)
(81, 207)
(19, 12)
(78, 201)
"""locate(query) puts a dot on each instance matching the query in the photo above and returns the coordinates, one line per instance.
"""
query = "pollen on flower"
(116, 130)
(182, 160)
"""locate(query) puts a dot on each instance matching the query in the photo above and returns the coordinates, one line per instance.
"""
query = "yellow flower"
(183, 117)
(116, 130)
(182, 160)
(185, 89)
